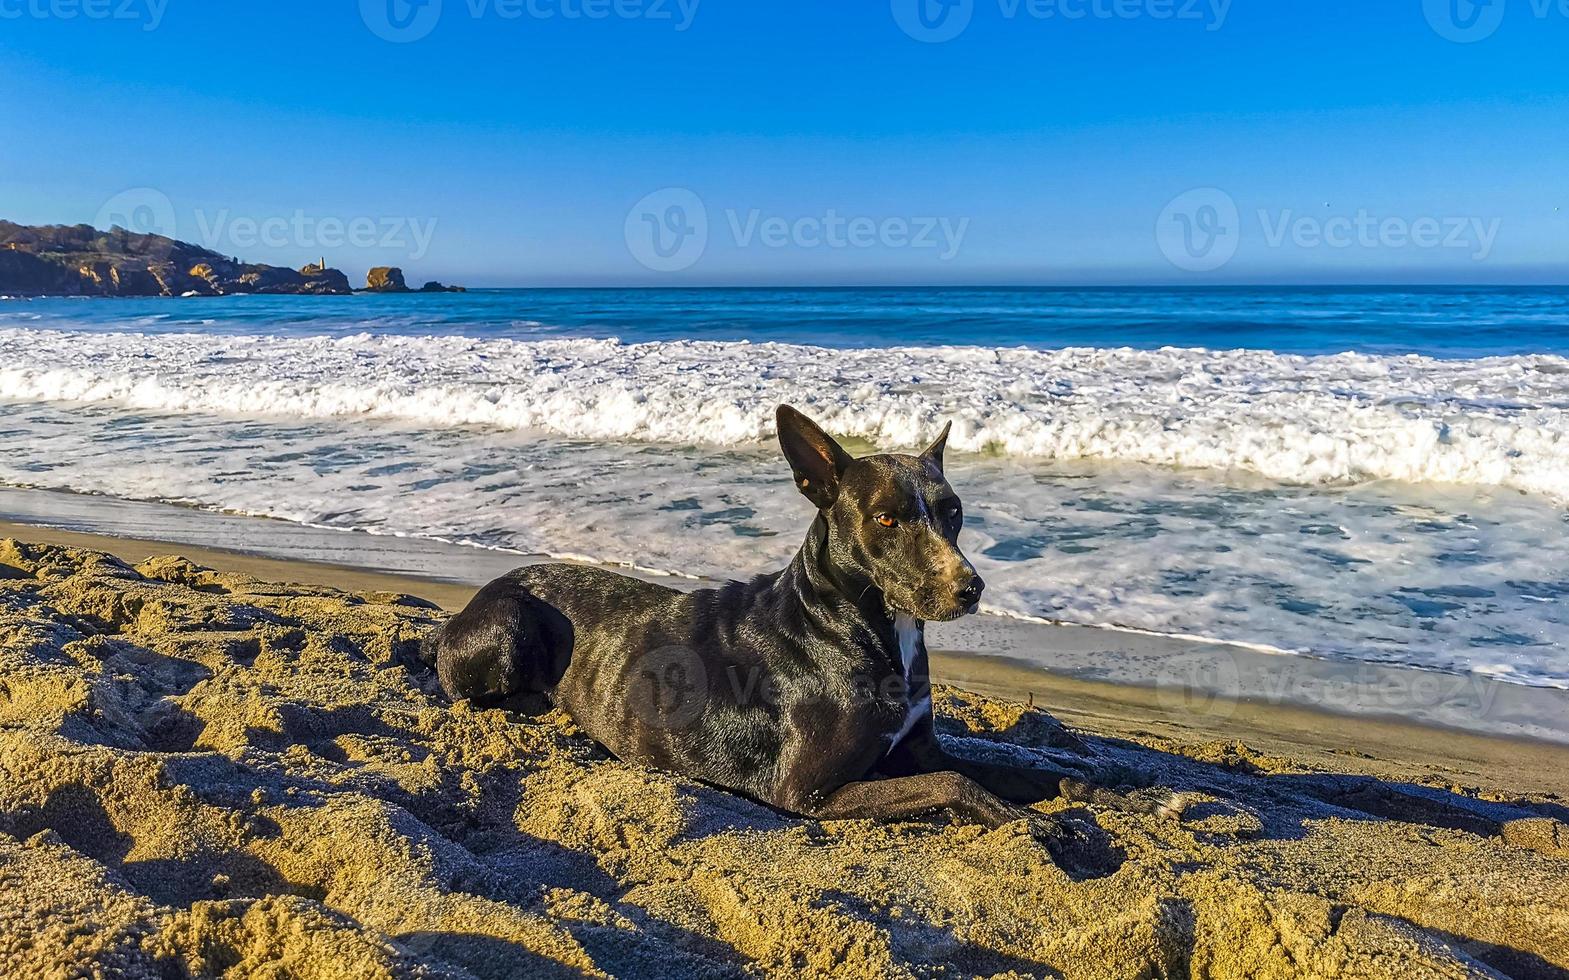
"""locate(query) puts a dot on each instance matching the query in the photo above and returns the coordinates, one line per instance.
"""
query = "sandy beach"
(203, 772)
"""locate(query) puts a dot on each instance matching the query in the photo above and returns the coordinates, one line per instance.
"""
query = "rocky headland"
(80, 260)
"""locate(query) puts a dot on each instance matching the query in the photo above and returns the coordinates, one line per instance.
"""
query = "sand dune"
(205, 774)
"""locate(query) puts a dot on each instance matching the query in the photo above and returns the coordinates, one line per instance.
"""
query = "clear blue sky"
(1051, 144)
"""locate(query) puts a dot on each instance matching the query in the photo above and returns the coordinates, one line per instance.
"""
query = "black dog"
(806, 689)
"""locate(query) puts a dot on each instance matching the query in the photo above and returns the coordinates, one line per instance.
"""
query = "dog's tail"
(1155, 801)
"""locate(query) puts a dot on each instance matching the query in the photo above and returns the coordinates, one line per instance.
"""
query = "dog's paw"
(1081, 849)
(1155, 800)
(1164, 803)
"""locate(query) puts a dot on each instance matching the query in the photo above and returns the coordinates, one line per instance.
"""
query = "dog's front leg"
(922, 753)
(1014, 783)
(911, 797)
(907, 797)
(1027, 784)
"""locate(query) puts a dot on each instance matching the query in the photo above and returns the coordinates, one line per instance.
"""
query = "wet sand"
(206, 773)
(1184, 672)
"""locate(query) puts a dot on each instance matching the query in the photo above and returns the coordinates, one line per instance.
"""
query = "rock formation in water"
(385, 279)
(389, 279)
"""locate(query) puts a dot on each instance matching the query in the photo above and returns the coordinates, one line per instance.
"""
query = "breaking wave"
(1344, 418)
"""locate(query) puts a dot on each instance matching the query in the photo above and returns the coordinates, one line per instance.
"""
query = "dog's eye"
(887, 520)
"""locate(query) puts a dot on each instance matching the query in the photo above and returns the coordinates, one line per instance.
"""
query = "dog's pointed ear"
(935, 450)
(816, 460)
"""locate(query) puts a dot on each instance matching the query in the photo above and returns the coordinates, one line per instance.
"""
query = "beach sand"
(203, 773)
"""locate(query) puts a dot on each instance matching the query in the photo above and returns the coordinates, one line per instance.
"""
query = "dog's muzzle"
(969, 595)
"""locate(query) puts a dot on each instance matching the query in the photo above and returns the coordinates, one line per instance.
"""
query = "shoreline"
(984, 660)
(1184, 668)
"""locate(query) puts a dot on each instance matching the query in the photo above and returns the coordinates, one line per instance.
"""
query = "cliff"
(79, 260)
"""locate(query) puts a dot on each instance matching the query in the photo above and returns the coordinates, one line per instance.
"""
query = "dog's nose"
(970, 594)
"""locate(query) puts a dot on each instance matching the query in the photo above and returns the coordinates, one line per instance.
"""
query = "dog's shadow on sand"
(1283, 801)
(1235, 800)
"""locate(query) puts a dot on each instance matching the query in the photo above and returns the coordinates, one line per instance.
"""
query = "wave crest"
(1500, 421)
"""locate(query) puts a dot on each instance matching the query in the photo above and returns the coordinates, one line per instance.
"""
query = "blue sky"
(522, 142)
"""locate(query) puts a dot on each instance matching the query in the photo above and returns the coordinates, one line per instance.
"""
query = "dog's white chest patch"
(909, 634)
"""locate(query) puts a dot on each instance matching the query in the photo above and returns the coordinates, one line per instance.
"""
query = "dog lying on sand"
(805, 689)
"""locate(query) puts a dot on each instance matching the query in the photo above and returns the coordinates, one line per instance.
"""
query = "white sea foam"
(1453, 578)
(1500, 421)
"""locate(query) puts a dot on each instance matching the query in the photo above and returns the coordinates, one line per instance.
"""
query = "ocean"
(1371, 475)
